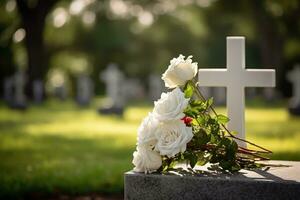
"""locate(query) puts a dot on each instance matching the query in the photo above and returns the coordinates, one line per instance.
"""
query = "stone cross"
(114, 78)
(294, 77)
(235, 78)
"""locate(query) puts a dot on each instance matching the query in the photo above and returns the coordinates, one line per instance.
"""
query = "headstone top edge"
(235, 38)
(287, 174)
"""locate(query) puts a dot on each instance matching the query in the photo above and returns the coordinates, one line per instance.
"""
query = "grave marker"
(19, 101)
(276, 183)
(85, 90)
(156, 87)
(235, 78)
(113, 79)
(8, 89)
(294, 77)
(38, 91)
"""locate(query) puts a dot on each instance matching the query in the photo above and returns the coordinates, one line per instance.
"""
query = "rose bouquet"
(181, 128)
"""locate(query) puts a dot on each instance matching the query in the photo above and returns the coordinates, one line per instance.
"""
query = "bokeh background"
(55, 145)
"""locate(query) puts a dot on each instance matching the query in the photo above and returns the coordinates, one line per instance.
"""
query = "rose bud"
(187, 120)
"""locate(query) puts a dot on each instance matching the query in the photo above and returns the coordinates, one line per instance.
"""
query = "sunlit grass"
(60, 148)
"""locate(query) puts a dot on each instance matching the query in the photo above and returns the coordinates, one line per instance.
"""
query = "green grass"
(58, 148)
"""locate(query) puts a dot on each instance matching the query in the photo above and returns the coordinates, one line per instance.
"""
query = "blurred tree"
(271, 28)
(84, 36)
(33, 14)
(7, 27)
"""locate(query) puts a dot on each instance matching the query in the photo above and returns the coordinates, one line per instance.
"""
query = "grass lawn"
(59, 148)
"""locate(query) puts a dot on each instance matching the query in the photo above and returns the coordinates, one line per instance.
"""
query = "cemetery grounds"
(58, 148)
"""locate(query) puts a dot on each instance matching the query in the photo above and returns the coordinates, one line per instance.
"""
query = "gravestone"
(61, 92)
(19, 99)
(277, 183)
(219, 95)
(113, 79)
(156, 87)
(260, 184)
(269, 94)
(294, 77)
(132, 90)
(251, 93)
(84, 89)
(38, 91)
(235, 78)
(8, 90)
(206, 91)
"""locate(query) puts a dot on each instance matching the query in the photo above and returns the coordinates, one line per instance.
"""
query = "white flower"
(173, 137)
(180, 71)
(146, 131)
(170, 106)
(146, 160)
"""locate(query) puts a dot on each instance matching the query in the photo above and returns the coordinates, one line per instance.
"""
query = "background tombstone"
(38, 91)
(219, 95)
(113, 79)
(294, 77)
(251, 93)
(61, 92)
(132, 90)
(8, 89)
(270, 94)
(206, 91)
(156, 87)
(85, 89)
(19, 100)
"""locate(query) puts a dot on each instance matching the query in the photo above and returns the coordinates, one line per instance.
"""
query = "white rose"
(180, 71)
(173, 137)
(146, 160)
(170, 106)
(146, 131)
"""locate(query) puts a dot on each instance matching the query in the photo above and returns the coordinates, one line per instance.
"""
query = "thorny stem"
(240, 151)
(251, 150)
(253, 154)
(250, 155)
(214, 111)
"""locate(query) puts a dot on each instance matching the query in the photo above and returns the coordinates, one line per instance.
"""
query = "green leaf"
(222, 119)
(188, 90)
(213, 139)
(230, 165)
(191, 112)
(203, 158)
(235, 168)
(202, 119)
(201, 138)
(226, 165)
(196, 103)
(231, 148)
(209, 102)
(192, 158)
